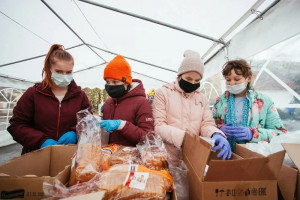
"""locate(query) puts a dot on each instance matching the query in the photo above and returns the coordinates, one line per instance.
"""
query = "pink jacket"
(174, 113)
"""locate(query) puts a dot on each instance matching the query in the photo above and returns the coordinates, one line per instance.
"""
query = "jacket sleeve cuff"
(220, 132)
(122, 125)
(179, 140)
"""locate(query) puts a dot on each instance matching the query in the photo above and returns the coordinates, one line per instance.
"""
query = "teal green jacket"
(263, 119)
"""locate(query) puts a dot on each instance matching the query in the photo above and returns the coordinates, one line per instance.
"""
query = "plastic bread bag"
(124, 182)
(180, 177)
(87, 159)
(153, 152)
(125, 155)
(289, 137)
(104, 136)
(107, 152)
(104, 133)
(274, 146)
(88, 128)
(135, 182)
(57, 190)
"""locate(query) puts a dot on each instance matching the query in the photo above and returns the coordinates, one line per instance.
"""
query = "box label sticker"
(12, 194)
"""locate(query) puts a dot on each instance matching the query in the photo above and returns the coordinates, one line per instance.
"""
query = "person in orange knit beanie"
(127, 114)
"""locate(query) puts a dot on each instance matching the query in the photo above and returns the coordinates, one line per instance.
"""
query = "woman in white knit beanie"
(179, 108)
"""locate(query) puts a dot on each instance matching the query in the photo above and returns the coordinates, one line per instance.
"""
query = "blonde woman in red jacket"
(46, 113)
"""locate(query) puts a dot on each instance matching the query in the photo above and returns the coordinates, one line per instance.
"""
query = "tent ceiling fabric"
(29, 28)
(279, 24)
(287, 25)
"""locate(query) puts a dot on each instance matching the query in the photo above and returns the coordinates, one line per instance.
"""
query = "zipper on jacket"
(59, 106)
(113, 109)
(58, 120)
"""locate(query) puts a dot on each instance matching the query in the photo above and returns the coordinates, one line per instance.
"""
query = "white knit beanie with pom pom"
(191, 62)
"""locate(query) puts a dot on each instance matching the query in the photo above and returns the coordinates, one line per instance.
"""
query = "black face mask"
(188, 87)
(115, 91)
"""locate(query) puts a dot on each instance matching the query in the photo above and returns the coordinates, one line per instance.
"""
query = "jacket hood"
(72, 90)
(137, 89)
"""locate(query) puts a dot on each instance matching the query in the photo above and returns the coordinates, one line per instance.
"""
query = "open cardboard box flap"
(35, 163)
(43, 162)
(247, 166)
(293, 152)
(193, 147)
(23, 177)
(247, 169)
(235, 170)
(290, 177)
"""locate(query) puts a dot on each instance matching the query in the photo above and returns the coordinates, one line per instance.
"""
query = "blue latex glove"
(49, 142)
(69, 137)
(241, 133)
(221, 143)
(226, 129)
(110, 125)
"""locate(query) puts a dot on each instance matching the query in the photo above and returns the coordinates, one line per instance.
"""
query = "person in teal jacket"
(243, 113)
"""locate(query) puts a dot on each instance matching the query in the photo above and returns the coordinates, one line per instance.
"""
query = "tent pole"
(133, 59)
(32, 58)
(149, 77)
(72, 30)
(235, 26)
(88, 68)
(14, 78)
(154, 21)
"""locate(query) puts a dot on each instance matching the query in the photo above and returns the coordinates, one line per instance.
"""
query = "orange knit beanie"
(118, 69)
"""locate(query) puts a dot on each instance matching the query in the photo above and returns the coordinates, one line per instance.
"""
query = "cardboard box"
(90, 196)
(100, 195)
(23, 177)
(289, 178)
(248, 175)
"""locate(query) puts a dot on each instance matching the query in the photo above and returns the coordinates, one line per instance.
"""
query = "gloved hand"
(110, 125)
(241, 133)
(226, 129)
(221, 143)
(49, 142)
(69, 137)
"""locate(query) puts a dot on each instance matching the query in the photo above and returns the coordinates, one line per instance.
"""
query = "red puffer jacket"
(135, 109)
(39, 115)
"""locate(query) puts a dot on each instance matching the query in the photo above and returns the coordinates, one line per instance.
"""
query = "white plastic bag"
(180, 178)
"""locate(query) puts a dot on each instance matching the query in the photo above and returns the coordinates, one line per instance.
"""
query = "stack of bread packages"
(138, 172)
(123, 172)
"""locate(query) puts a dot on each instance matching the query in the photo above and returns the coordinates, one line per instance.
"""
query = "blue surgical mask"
(236, 89)
(61, 80)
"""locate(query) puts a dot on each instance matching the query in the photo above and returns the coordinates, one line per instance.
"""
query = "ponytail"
(55, 53)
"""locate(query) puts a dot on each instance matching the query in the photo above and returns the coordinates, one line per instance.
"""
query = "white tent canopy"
(93, 32)
(152, 36)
